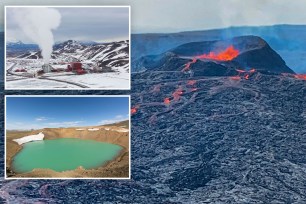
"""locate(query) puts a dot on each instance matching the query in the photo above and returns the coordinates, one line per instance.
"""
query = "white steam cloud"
(37, 24)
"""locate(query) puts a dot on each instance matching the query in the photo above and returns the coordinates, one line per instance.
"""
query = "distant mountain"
(17, 48)
(82, 42)
(69, 46)
(287, 40)
(13, 43)
(252, 52)
(114, 55)
(124, 123)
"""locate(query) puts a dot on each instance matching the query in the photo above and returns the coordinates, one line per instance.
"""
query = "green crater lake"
(64, 154)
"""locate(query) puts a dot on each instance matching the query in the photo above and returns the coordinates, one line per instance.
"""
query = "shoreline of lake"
(117, 167)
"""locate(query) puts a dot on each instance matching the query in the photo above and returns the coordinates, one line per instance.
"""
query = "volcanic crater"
(113, 134)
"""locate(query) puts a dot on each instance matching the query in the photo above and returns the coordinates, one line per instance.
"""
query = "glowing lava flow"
(235, 77)
(226, 55)
(167, 101)
(177, 94)
(191, 82)
(133, 110)
(240, 71)
(252, 70)
(300, 76)
(245, 74)
(187, 66)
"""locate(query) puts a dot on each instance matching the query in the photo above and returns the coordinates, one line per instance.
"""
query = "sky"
(24, 113)
(100, 24)
(182, 15)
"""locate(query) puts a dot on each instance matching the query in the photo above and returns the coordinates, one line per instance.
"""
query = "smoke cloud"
(37, 24)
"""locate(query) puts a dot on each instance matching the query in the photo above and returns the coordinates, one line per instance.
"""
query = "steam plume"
(37, 24)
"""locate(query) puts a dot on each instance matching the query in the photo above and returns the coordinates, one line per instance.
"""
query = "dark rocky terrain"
(199, 138)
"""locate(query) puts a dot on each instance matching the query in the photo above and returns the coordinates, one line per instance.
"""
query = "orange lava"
(300, 76)
(240, 71)
(177, 94)
(191, 82)
(187, 66)
(235, 78)
(226, 55)
(167, 101)
(252, 70)
(243, 73)
(133, 111)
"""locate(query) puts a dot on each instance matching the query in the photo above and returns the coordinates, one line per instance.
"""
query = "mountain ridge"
(253, 52)
(114, 55)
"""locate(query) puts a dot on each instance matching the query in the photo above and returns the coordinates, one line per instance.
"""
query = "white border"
(109, 6)
(62, 178)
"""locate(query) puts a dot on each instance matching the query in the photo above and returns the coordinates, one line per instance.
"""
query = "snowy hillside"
(114, 55)
(100, 66)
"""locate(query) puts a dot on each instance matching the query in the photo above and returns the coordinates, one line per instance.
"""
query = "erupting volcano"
(226, 55)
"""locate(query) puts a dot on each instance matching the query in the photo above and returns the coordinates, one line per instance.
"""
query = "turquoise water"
(64, 154)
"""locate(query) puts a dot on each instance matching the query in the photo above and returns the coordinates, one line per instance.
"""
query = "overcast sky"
(100, 24)
(183, 15)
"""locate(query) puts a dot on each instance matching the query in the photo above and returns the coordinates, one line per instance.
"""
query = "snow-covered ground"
(9, 65)
(93, 129)
(66, 80)
(111, 58)
(122, 130)
(111, 80)
(118, 129)
(30, 138)
(14, 77)
(54, 74)
(34, 83)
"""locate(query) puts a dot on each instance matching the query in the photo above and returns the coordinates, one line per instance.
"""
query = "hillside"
(114, 55)
(124, 124)
(239, 53)
(283, 38)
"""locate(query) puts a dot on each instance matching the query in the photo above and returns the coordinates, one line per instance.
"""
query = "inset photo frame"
(67, 137)
(67, 48)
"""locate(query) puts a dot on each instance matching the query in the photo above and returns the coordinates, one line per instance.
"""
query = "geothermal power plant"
(46, 68)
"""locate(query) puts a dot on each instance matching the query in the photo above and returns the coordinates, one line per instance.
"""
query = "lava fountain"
(226, 55)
